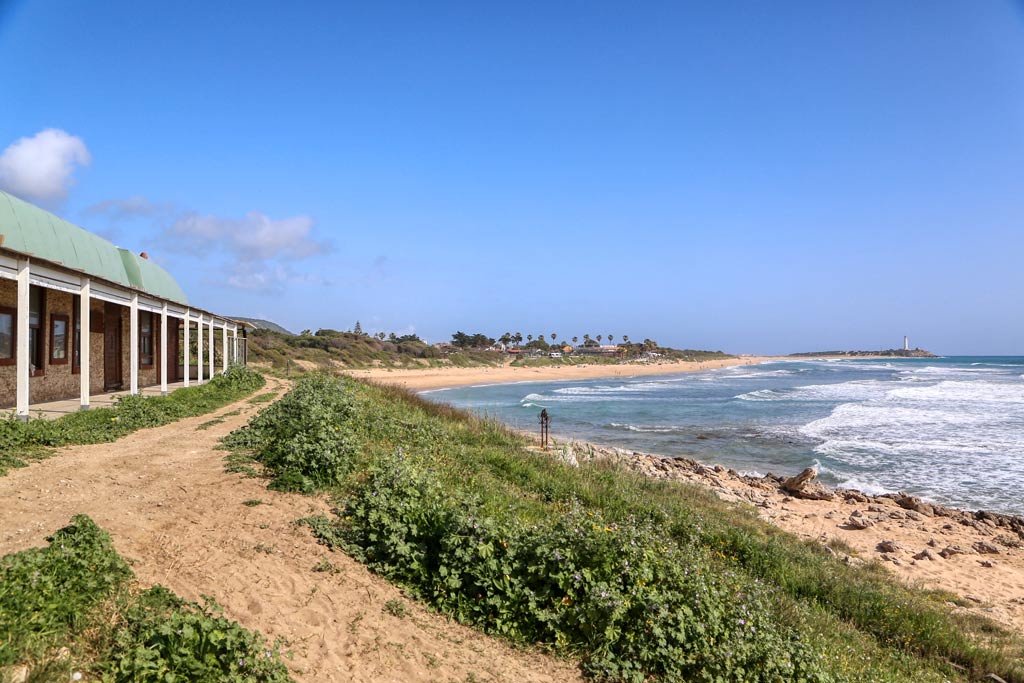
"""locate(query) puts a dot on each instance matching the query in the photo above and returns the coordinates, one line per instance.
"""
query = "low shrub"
(26, 440)
(78, 594)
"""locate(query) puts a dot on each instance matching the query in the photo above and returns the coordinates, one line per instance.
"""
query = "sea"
(950, 430)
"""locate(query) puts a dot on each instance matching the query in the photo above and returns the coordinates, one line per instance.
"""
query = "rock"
(983, 548)
(916, 516)
(889, 547)
(794, 484)
(855, 496)
(859, 522)
(852, 561)
(933, 543)
(18, 674)
(915, 504)
(926, 554)
(988, 564)
(951, 550)
(815, 492)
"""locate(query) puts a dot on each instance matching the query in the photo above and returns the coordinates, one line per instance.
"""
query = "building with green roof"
(58, 280)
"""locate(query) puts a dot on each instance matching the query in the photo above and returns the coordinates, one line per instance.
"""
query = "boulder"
(889, 547)
(794, 484)
(926, 554)
(985, 548)
(859, 522)
(951, 550)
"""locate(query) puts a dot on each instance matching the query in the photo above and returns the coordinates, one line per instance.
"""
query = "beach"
(978, 557)
(438, 378)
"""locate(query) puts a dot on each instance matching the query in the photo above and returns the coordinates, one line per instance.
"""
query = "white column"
(224, 340)
(212, 346)
(185, 355)
(84, 358)
(163, 350)
(199, 350)
(234, 345)
(21, 352)
(133, 340)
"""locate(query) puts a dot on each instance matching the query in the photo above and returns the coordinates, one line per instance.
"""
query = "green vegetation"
(21, 441)
(74, 606)
(326, 348)
(638, 578)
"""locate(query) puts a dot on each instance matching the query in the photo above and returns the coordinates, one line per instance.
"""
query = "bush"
(77, 593)
(20, 440)
(300, 438)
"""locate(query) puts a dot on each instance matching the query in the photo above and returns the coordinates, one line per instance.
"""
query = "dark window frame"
(13, 312)
(76, 335)
(143, 337)
(54, 319)
(40, 337)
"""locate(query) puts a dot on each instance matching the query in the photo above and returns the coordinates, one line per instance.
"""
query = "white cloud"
(256, 237)
(41, 167)
(119, 210)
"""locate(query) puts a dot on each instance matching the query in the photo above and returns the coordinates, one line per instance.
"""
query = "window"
(36, 306)
(58, 339)
(7, 335)
(145, 339)
(76, 337)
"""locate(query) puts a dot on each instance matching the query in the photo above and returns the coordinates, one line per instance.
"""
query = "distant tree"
(381, 336)
(599, 338)
(625, 339)
(392, 337)
(586, 337)
(553, 337)
(575, 339)
(518, 338)
(505, 338)
(529, 338)
(540, 338)
(611, 338)
(358, 329)
(305, 333)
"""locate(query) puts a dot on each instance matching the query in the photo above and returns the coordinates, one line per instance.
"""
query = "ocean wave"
(963, 392)
(648, 429)
(761, 395)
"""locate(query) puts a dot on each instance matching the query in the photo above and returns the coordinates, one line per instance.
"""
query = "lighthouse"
(906, 343)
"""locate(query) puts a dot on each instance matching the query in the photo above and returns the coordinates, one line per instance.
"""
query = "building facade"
(79, 316)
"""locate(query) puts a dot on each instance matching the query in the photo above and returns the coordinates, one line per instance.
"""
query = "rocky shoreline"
(978, 556)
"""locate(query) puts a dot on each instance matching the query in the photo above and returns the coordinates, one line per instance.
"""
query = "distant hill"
(264, 325)
(893, 353)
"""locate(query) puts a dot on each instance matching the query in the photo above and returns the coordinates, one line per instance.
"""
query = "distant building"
(79, 316)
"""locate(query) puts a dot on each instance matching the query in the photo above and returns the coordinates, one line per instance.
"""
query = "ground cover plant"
(21, 441)
(73, 607)
(639, 579)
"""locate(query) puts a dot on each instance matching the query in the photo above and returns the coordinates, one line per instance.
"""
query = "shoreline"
(450, 377)
(977, 556)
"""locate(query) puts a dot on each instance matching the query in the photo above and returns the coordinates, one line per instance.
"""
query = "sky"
(755, 177)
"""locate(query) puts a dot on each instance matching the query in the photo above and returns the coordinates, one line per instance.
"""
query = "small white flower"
(77, 676)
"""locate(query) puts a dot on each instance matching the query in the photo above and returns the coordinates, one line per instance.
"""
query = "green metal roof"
(34, 232)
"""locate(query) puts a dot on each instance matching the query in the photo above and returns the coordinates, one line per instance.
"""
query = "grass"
(266, 397)
(74, 607)
(637, 578)
(24, 441)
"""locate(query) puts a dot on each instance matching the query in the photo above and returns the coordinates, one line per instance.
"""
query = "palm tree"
(518, 338)
(625, 339)
(574, 340)
(553, 337)
(599, 339)
(611, 338)
(529, 338)
(586, 338)
(540, 337)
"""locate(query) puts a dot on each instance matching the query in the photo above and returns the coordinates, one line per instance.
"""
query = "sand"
(436, 378)
(174, 513)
